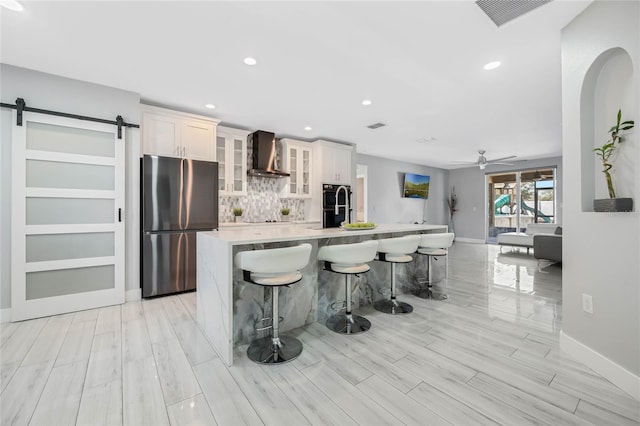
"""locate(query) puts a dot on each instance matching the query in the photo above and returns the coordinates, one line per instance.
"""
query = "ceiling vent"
(503, 11)
(376, 125)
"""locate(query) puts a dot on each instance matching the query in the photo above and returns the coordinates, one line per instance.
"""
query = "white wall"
(601, 250)
(46, 91)
(470, 219)
(385, 203)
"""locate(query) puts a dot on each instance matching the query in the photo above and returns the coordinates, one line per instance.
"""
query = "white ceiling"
(420, 62)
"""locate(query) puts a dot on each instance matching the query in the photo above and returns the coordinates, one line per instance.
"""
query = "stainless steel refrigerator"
(179, 198)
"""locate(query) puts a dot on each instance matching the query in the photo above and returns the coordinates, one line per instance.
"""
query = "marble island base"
(230, 309)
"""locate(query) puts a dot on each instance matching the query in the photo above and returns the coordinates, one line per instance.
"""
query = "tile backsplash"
(262, 202)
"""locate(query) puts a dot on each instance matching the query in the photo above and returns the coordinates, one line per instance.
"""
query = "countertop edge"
(265, 235)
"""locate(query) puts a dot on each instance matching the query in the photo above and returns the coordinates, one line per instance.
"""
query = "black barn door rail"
(21, 106)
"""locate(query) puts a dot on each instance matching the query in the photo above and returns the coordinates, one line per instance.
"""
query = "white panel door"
(67, 216)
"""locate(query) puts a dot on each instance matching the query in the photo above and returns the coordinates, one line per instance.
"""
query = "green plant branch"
(606, 151)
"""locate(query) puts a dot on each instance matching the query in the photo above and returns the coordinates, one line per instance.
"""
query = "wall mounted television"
(415, 186)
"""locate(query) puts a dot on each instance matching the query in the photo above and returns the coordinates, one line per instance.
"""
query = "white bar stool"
(431, 245)
(348, 259)
(396, 250)
(274, 268)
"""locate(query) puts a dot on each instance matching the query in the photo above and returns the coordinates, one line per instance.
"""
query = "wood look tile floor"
(488, 355)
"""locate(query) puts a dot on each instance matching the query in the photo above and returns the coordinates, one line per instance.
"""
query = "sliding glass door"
(518, 198)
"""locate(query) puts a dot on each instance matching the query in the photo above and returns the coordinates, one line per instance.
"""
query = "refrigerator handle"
(181, 195)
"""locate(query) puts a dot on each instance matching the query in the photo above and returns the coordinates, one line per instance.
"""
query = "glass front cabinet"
(231, 155)
(297, 158)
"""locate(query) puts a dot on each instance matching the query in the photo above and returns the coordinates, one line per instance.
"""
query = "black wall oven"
(329, 217)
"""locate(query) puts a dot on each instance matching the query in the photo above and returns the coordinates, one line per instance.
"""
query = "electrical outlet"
(587, 303)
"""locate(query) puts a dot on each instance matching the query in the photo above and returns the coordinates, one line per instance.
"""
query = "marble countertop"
(276, 233)
(281, 223)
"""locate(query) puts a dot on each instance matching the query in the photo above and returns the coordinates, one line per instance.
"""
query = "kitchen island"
(229, 308)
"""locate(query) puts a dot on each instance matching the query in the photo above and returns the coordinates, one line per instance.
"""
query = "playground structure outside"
(502, 219)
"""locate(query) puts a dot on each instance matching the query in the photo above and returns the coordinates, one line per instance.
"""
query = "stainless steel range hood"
(264, 155)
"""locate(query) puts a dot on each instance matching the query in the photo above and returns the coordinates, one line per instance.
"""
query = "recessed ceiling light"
(210, 106)
(366, 102)
(492, 65)
(307, 128)
(12, 5)
(250, 61)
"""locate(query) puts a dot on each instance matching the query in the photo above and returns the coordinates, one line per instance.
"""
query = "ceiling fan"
(482, 161)
(540, 175)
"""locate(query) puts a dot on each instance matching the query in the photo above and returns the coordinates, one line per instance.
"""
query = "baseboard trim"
(469, 240)
(133, 295)
(129, 296)
(616, 374)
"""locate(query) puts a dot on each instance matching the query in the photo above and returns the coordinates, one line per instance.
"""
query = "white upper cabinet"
(335, 162)
(231, 155)
(197, 139)
(177, 134)
(160, 134)
(297, 160)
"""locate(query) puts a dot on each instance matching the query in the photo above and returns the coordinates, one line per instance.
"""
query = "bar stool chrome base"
(396, 250)
(268, 350)
(428, 293)
(348, 324)
(433, 245)
(274, 268)
(393, 307)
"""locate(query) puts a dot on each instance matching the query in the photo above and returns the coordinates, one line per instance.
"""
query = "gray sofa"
(548, 247)
(525, 239)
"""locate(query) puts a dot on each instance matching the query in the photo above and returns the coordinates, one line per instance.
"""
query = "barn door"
(67, 216)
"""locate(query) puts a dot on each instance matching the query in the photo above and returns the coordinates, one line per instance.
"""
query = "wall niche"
(607, 87)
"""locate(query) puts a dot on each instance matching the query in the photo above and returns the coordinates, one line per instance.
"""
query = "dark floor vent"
(376, 125)
(503, 11)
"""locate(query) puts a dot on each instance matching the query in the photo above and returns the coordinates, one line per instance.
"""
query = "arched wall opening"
(607, 87)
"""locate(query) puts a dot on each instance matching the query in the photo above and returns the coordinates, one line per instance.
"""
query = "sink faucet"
(346, 205)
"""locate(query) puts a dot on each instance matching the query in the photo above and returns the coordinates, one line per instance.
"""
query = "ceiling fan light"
(482, 166)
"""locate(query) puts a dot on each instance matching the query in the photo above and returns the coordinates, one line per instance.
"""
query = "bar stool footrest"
(340, 305)
(266, 327)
